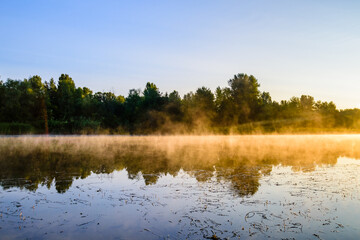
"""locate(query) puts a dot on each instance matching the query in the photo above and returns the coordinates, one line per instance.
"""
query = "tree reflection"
(27, 163)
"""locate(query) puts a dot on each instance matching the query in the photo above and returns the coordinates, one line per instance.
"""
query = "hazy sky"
(291, 47)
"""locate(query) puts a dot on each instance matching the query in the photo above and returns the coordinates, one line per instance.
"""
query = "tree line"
(59, 107)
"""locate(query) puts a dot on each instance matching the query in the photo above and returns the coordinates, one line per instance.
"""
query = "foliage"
(31, 105)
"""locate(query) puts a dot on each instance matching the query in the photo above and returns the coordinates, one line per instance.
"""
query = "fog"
(240, 159)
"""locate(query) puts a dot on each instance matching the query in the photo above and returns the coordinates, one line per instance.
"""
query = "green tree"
(199, 109)
(133, 107)
(51, 100)
(245, 93)
(13, 110)
(37, 103)
(173, 107)
(66, 97)
(152, 97)
(225, 108)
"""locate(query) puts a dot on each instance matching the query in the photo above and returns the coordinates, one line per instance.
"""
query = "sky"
(292, 47)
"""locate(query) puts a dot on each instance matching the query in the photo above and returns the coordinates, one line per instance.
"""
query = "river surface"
(180, 187)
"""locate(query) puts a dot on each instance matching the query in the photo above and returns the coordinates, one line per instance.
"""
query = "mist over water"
(178, 187)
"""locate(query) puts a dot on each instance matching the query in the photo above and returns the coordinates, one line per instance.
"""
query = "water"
(257, 187)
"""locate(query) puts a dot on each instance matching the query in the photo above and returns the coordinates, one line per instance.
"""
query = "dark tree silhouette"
(31, 106)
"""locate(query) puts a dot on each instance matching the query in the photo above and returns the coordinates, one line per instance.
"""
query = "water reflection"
(30, 162)
(258, 187)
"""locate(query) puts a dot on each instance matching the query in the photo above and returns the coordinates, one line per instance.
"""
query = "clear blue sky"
(292, 47)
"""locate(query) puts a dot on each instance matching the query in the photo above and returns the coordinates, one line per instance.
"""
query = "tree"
(66, 97)
(245, 94)
(152, 97)
(133, 104)
(29, 104)
(199, 109)
(2, 100)
(37, 102)
(204, 102)
(307, 103)
(225, 108)
(173, 107)
(13, 110)
(51, 99)
(268, 108)
(328, 112)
